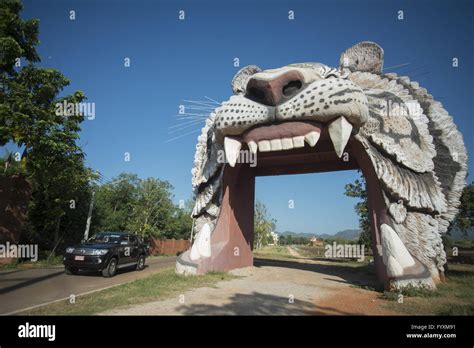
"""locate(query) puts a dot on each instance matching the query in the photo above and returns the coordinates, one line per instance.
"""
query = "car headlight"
(69, 250)
(99, 252)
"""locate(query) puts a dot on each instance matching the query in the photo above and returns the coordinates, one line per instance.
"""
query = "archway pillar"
(232, 239)
(377, 209)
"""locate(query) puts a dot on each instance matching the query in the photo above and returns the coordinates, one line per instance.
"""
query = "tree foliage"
(52, 160)
(144, 207)
(463, 220)
(54, 163)
(115, 202)
(465, 217)
(263, 226)
(290, 240)
(358, 190)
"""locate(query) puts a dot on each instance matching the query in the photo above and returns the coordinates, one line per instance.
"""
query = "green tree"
(144, 207)
(465, 216)
(115, 202)
(54, 162)
(263, 225)
(152, 215)
(182, 221)
(358, 190)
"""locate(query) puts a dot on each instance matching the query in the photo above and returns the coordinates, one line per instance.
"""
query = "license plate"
(79, 258)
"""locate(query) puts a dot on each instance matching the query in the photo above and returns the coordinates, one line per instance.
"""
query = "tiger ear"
(239, 82)
(364, 56)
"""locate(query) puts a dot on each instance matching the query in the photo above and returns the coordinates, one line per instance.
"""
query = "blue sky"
(172, 60)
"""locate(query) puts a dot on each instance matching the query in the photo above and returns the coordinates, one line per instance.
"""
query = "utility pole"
(192, 232)
(91, 206)
(89, 217)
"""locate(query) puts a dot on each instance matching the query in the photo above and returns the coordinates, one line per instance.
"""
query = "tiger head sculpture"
(405, 142)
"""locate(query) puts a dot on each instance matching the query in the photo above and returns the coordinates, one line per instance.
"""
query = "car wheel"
(141, 263)
(111, 268)
(71, 270)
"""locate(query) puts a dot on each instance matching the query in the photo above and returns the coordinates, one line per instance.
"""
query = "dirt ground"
(276, 287)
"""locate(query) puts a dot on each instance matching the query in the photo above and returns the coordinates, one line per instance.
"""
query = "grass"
(276, 252)
(317, 252)
(364, 287)
(18, 264)
(280, 252)
(311, 251)
(454, 297)
(164, 284)
(45, 263)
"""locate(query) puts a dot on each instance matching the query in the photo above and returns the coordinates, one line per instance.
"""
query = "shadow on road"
(252, 304)
(2, 273)
(363, 275)
(30, 282)
(264, 304)
(88, 273)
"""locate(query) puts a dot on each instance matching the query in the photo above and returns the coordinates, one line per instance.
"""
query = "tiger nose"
(274, 91)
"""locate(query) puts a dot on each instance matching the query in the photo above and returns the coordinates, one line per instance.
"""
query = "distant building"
(315, 241)
(275, 238)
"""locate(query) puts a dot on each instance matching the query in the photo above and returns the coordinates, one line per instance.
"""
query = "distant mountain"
(456, 234)
(346, 234)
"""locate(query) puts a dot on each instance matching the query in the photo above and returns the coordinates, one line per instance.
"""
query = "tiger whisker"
(182, 135)
(187, 122)
(183, 127)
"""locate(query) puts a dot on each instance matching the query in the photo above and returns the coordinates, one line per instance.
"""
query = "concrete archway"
(404, 142)
(232, 239)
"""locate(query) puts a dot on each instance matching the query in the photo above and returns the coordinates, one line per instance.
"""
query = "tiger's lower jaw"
(224, 234)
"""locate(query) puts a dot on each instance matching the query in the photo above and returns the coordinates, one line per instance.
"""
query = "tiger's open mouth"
(288, 135)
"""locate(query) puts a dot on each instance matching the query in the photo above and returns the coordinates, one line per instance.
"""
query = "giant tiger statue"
(309, 117)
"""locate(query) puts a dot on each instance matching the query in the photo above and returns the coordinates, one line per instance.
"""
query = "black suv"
(106, 252)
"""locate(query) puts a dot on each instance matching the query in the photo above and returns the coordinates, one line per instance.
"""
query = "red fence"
(168, 246)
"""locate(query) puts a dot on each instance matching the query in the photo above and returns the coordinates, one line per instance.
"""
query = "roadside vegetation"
(53, 261)
(312, 253)
(43, 263)
(453, 297)
(263, 226)
(43, 154)
(159, 286)
(273, 252)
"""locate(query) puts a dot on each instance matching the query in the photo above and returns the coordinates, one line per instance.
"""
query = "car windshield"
(105, 238)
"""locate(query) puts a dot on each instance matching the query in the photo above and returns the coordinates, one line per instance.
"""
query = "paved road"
(21, 289)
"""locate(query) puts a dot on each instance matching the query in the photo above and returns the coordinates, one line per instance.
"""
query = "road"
(22, 289)
(298, 286)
